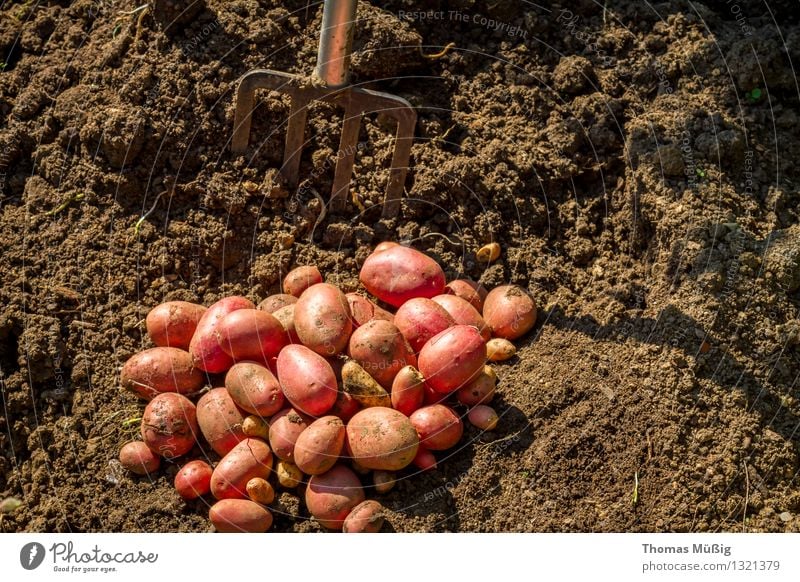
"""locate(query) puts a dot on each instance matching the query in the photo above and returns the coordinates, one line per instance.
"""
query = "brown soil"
(640, 186)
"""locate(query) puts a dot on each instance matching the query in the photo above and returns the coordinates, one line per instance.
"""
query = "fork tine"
(347, 156)
(295, 138)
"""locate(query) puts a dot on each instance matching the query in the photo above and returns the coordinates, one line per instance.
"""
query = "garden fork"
(330, 83)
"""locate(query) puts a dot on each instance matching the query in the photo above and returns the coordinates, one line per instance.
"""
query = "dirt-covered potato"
(322, 319)
(480, 390)
(439, 427)
(240, 516)
(169, 425)
(499, 350)
(301, 278)
(220, 420)
(319, 446)
(380, 348)
(249, 459)
(137, 458)
(254, 388)
(275, 302)
(172, 324)
(397, 274)
(509, 311)
(284, 430)
(160, 370)
(363, 310)
(362, 387)
(382, 438)
(472, 292)
(366, 517)
(331, 497)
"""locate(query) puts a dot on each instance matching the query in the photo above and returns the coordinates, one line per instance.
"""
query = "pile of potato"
(336, 387)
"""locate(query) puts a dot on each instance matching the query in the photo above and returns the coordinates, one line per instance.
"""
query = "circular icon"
(31, 555)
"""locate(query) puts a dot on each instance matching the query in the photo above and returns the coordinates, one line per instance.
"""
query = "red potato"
(452, 358)
(284, 430)
(387, 244)
(379, 348)
(345, 406)
(319, 446)
(220, 420)
(169, 425)
(399, 273)
(193, 480)
(438, 426)
(137, 458)
(160, 370)
(483, 417)
(172, 324)
(250, 334)
(239, 516)
(331, 497)
(424, 461)
(434, 397)
(254, 388)
(479, 391)
(420, 319)
(206, 352)
(300, 279)
(382, 438)
(366, 517)
(464, 314)
(307, 379)
(364, 310)
(509, 311)
(249, 459)
(472, 292)
(275, 302)
(322, 319)
(408, 390)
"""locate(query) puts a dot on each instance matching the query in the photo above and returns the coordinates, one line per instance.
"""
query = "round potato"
(331, 497)
(275, 302)
(480, 390)
(452, 358)
(397, 274)
(438, 426)
(509, 311)
(463, 313)
(382, 438)
(169, 425)
(239, 516)
(483, 417)
(172, 324)
(408, 390)
(260, 491)
(420, 319)
(366, 517)
(220, 420)
(500, 350)
(379, 348)
(137, 458)
(319, 446)
(472, 292)
(249, 459)
(254, 388)
(284, 430)
(160, 370)
(322, 319)
(206, 352)
(307, 379)
(250, 334)
(193, 480)
(300, 279)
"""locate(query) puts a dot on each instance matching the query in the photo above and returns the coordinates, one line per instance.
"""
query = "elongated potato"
(285, 315)
(331, 497)
(364, 310)
(284, 430)
(169, 425)
(137, 458)
(307, 379)
(160, 370)
(172, 324)
(260, 491)
(509, 311)
(256, 427)
(438, 426)
(239, 516)
(420, 319)
(500, 350)
(452, 358)
(206, 352)
(275, 302)
(366, 517)
(322, 319)
(382, 438)
(408, 390)
(399, 273)
(363, 387)
(480, 390)
(220, 420)
(319, 446)
(470, 291)
(250, 334)
(193, 480)
(464, 314)
(249, 459)
(254, 388)
(380, 348)
(300, 279)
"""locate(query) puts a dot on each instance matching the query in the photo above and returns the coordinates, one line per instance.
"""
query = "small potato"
(472, 292)
(322, 319)
(160, 370)
(172, 324)
(345, 406)
(384, 481)
(260, 491)
(250, 334)
(220, 420)
(239, 516)
(137, 458)
(452, 358)
(254, 388)
(420, 319)
(285, 315)
(382, 438)
(363, 387)
(284, 430)
(479, 391)
(275, 302)
(464, 314)
(300, 279)
(380, 348)
(249, 459)
(169, 425)
(500, 350)
(488, 253)
(366, 517)
(193, 480)
(206, 352)
(331, 497)
(438, 426)
(509, 311)
(289, 475)
(397, 274)
(408, 390)
(489, 371)
(319, 446)
(424, 461)
(483, 417)
(256, 427)
(364, 310)
(307, 379)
